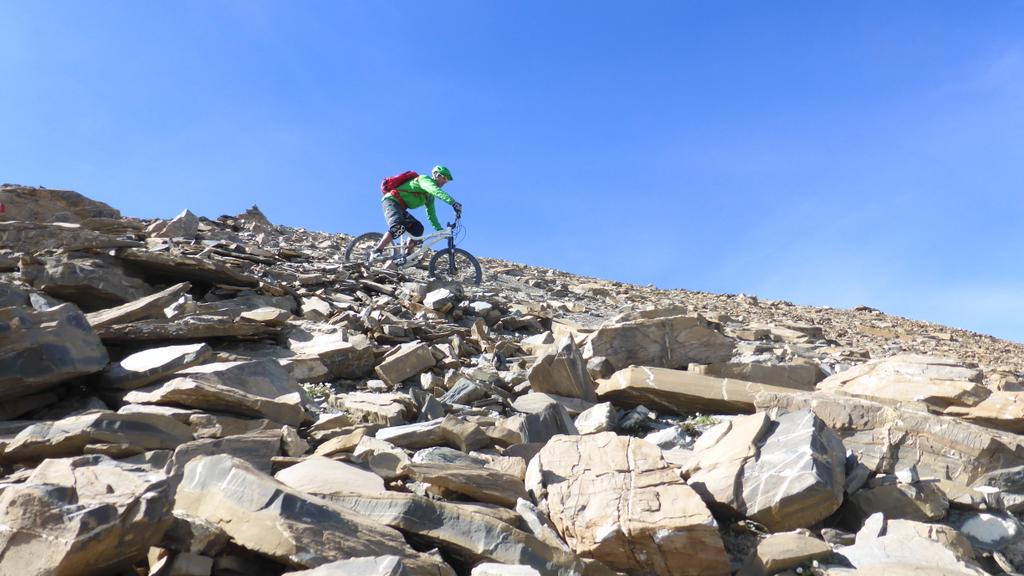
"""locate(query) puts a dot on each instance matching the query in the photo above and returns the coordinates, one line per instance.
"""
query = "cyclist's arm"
(428, 186)
(432, 213)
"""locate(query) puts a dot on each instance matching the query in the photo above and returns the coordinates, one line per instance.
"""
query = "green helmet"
(441, 171)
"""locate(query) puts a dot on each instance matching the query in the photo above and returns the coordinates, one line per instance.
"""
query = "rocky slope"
(227, 396)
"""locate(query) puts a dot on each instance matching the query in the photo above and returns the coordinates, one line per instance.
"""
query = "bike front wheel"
(457, 265)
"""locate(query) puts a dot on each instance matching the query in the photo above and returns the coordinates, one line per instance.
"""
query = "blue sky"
(826, 153)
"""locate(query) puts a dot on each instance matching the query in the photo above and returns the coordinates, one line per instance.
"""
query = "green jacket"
(419, 191)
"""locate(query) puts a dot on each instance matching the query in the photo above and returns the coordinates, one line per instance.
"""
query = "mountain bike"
(449, 263)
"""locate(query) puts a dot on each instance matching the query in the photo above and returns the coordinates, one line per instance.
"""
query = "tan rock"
(563, 372)
(405, 362)
(83, 516)
(615, 499)
(798, 376)
(326, 477)
(937, 382)
(780, 552)
(71, 436)
(257, 389)
(480, 484)
(919, 501)
(667, 342)
(151, 306)
(266, 517)
(341, 357)
(1000, 410)
(383, 409)
(680, 391)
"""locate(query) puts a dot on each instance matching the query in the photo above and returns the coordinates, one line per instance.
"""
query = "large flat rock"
(148, 366)
(93, 282)
(31, 204)
(151, 306)
(32, 237)
(937, 382)
(563, 372)
(469, 536)
(615, 499)
(681, 391)
(259, 389)
(124, 434)
(41, 349)
(286, 525)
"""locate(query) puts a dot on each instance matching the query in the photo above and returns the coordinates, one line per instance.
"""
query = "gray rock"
(41, 349)
(148, 366)
(92, 282)
(668, 342)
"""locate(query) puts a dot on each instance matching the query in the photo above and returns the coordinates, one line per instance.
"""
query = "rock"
(480, 484)
(128, 433)
(383, 458)
(494, 569)
(445, 455)
(469, 536)
(553, 420)
(147, 307)
(563, 372)
(780, 552)
(210, 270)
(990, 531)
(268, 315)
(885, 438)
(798, 376)
(937, 382)
(343, 443)
(440, 300)
(288, 526)
(383, 409)
(41, 349)
(182, 564)
(34, 237)
(292, 444)
(405, 362)
(191, 327)
(261, 389)
(535, 402)
(314, 308)
(371, 566)
(31, 204)
(326, 477)
(600, 418)
(616, 500)
(148, 366)
(668, 342)
(922, 501)
(1000, 410)
(343, 359)
(184, 225)
(882, 543)
(681, 392)
(88, 515)
(256, 448)
(91, 282)
(784, 473)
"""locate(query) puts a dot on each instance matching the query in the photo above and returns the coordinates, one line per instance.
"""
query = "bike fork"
(451, 255)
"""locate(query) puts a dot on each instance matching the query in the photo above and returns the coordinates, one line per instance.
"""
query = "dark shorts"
(399, 220)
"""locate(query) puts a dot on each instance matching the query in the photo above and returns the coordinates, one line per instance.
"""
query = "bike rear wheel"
(359, 248)
(457, 265)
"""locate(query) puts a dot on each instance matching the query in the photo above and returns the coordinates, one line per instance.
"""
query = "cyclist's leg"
(394, 215)
(415, 228)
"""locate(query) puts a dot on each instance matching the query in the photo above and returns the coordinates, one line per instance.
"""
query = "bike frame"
(426, 241)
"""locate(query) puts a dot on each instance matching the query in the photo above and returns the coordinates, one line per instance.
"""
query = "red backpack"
(389, 186)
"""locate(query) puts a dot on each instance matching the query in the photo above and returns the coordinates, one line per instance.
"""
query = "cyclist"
(415, 193)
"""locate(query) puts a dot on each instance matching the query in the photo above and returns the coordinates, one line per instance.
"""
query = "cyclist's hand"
(458, 209)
